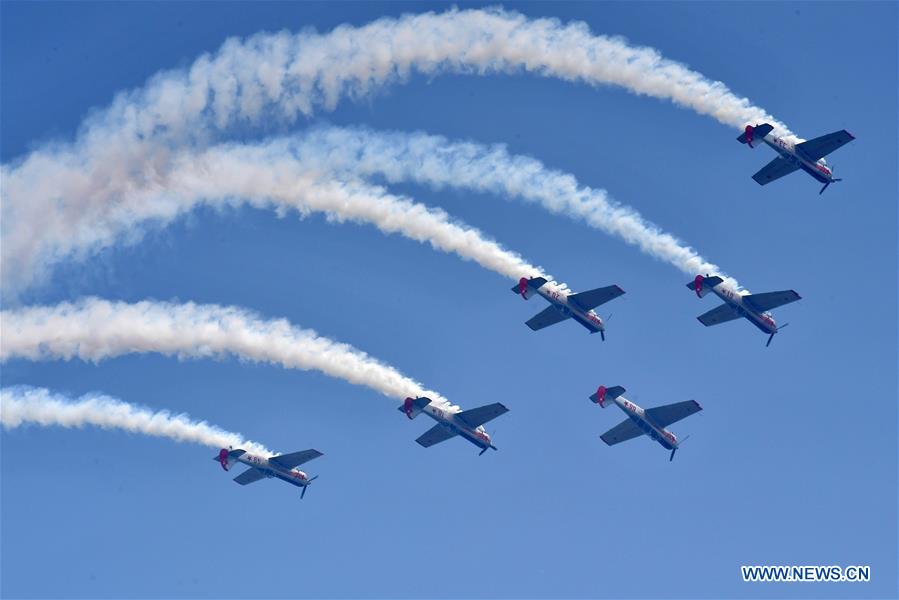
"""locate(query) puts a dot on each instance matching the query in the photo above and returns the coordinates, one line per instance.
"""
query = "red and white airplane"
(651, 422)
(808, 155)
(453, 421)
(565, 305)
(753, 307)
(282, 466)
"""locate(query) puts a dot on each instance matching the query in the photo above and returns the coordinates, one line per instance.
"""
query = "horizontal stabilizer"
(295, 459)
(592, 298)
(769, 300)
(610, 393)
(533, 283)
(414, 406)
(231, 454)
(751, 134)
(706, 282)
(478, 416)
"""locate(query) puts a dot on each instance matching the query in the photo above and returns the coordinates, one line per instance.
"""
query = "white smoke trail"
(438, 162)
(23, 405)
(277, 77)
(263, 176)
(94, 329)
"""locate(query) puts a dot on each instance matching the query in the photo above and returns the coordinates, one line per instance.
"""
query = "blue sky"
(793, 460)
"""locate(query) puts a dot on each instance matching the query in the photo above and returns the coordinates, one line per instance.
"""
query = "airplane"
(651, 422)
(565, 305)
(753, 307)
(808, 155)
(453, 421)
(282, 466)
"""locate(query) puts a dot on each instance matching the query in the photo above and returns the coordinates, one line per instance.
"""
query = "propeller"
(310, 480)
(771, 337)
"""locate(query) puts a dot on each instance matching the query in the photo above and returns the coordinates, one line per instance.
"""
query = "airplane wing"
(436, 434)
(295, 459)
(824, 145)
(624, 431)
(663, 416)
(482, 414)
(251, 475)
(769, 300)
(721, 314)
(593, 298)
(775, 169)
(546, 317)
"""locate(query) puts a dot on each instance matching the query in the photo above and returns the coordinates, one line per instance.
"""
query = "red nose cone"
(523, 287)
(697, 285)
(407, 407)
(223, 458)
(601, 395)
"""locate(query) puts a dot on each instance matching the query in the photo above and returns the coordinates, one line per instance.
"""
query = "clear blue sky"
(793, 461)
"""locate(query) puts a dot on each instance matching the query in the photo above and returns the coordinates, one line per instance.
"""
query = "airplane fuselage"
(763, 320)
(788, 150)
(636, 414)
(558, 297)
(447, 418)
(291, 476)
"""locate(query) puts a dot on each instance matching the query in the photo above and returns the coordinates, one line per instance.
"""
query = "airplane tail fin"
(528, 287)
(604, 395)
(412, 406)
(754, 134)
(228, 457)
(703, 284)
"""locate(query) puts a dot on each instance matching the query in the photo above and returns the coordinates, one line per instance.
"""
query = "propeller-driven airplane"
(282, 466)
(453, 421)
(651, 422)
(753, 307)
(808, 155)
(565, 305)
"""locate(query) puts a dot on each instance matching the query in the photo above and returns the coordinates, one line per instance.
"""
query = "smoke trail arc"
(94, 329)
(24, 405)
(281, 76)
(263, 176)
